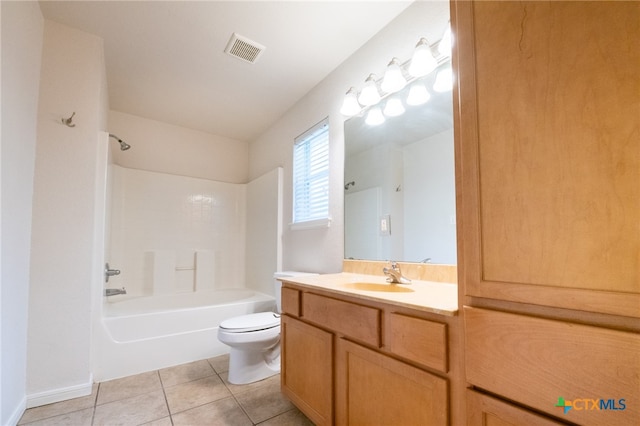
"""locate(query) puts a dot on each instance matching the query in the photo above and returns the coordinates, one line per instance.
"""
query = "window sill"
(311, 224)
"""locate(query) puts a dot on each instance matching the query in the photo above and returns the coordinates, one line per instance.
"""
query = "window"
(311, 177)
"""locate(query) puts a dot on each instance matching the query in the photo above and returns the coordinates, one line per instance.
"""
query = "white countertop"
(429, 296)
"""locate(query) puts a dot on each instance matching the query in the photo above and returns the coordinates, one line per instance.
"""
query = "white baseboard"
(62, 394)
(17, 413)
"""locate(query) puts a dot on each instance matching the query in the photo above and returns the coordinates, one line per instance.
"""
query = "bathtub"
(142, 334)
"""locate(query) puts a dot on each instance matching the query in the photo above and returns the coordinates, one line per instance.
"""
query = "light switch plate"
(385, 224)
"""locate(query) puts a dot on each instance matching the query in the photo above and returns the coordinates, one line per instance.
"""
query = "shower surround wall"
(173, 234)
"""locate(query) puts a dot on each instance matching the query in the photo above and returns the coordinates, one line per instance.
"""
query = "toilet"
(254, 340)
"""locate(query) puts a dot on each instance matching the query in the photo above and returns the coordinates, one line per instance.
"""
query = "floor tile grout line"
(95, 405)
(276, 415)
(166, 400)
(201, 405)
(233, 395)
(65, 413)
(215, 373)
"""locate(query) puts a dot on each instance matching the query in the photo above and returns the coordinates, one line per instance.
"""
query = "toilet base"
(250, 366)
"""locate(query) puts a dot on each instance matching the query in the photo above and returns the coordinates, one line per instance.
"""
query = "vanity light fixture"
(393, 79)
(350, 106)
(397, 76)
(370, 94)
(422, 61)
(393, 107)
(374, 117)
(418, 94)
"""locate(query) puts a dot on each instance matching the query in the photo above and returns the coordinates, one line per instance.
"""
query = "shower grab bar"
(185, 268)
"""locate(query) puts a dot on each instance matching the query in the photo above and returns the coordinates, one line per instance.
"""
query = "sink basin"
(388, 288)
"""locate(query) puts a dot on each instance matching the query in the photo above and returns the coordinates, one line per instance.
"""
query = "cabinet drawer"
(419, 340)
(483, 410)
(539, 361)
(290, 301)
(356, 321)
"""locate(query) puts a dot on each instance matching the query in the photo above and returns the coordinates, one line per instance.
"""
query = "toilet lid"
(251, 322)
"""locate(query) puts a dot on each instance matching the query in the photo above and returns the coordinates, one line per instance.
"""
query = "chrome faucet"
(114, 291)
(394, 274)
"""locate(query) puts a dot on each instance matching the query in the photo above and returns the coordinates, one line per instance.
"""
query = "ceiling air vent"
(242, 48)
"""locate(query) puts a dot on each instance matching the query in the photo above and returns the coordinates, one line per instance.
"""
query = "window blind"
(311, 174)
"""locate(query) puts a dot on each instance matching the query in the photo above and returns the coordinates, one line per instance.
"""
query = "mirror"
(399, 197)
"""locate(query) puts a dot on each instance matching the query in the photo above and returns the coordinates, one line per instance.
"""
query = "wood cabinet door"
(307, 369)
(483, 410)
(374, 389)
(548, 161)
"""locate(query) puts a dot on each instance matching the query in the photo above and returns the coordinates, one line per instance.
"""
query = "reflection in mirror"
(399, 182)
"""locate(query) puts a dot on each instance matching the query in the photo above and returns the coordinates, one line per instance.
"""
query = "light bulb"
(393, 108)
(369, 94)
(444, 47)
(350, 105)
(418, 94)
(444, 80)
(422, 61)
(393, 79)
(374, 117)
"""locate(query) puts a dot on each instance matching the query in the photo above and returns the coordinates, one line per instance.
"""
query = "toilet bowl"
(254, 340)
(255, 350)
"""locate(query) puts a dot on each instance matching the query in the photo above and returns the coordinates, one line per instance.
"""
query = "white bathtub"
(148, 333)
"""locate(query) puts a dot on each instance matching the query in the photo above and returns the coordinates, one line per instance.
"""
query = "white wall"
(62, 262)
(22, 28)
(165, 148)
(321, 250)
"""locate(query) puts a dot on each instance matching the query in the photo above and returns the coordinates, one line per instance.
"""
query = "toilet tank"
(278, 284)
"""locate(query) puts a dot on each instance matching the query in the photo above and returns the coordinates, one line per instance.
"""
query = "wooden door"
(548, 131)
(374, 389)
(307, 369)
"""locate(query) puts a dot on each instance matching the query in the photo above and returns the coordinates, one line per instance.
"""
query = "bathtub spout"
(114, 291)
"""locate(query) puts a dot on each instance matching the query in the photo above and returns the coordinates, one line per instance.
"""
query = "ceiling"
(165, 60)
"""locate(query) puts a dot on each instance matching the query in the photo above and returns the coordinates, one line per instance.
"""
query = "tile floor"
(193, 394)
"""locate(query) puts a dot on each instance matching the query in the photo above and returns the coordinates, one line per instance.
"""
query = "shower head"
(123, 145)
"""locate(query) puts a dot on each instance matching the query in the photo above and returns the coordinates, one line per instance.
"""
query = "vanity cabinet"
(547, 124)
(347, 361)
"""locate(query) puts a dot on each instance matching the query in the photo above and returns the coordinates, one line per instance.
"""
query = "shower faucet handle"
(110, 272)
